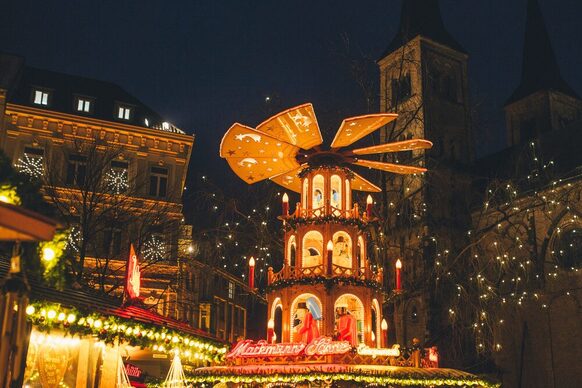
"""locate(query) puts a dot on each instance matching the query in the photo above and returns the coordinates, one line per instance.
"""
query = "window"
(117, 177)
(158, 181)
(401, 89)
(567, 248)
(41, 97)
(112, 241)
(230, 290)
(204, 322)
(84, 105)
(76, 170)
(123, 112)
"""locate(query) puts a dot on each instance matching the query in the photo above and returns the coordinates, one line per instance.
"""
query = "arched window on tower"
(292, 252)
(348, 195)
(336, 192)
(312, 251)
(305, 193)
(342, 250)
(318, 192)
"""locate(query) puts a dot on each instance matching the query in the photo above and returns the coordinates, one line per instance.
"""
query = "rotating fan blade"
(390, 167)
(355, 128)
(406, 145)
(252, 170)
(241, 141)
(362, 184)
(290, 179)
(297, 126)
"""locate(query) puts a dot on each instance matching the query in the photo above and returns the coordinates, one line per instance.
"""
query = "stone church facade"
(424, 78)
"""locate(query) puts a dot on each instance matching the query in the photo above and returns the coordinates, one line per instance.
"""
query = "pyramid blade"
(355, 128)
(406, 145)
(297, 126)
(290, 179)
(252, 170)
(241, 141)
(362, 184)
(390, 167)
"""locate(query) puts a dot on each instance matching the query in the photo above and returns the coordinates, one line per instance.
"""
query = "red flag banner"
(132, 283)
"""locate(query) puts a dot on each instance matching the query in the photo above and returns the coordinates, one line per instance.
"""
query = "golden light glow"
(369, 200)
(355, 128)
(398, 264)
(330, 245)
(271, 324)
(252, 262)
(384, 325)
(285, 198)
(48, 254)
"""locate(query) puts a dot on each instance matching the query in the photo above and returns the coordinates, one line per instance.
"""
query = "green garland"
(306, 171)
(46, 317)
(292, 223)
(328, 282)
(410, 379)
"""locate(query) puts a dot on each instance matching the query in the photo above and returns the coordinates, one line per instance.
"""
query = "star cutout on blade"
(251, 178)
(231, 152)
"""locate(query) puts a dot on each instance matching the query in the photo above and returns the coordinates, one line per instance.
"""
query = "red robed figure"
(309, 331)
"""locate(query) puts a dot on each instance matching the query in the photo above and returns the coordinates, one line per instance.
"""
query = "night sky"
(206, 64)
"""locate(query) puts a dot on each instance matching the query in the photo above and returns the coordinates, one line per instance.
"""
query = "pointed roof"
(539, 69)
(421, 17)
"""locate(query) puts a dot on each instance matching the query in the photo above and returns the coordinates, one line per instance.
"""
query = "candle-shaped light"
(252, 273)
(329, 256)
(285, 205)
(274, 337)
(384, 327)
(271, 331)
(398, 275)
(369, 204)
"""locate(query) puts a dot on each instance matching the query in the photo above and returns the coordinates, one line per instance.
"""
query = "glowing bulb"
(30, 310)
(330, 245)
(51, 314)
(48, 254)
(71, 318)
(274, 337)
(285, 198)
(61, 317)
(97, 324)
(398, 264)
(384, 325)
(252, 262)
(271, 324)
(369, 200)
(373, 336)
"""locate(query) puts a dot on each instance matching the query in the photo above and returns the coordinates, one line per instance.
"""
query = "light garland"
(46, 317)
(154, 249)
(409, 379)
(74, 239)
(33, 166)
(117, 180)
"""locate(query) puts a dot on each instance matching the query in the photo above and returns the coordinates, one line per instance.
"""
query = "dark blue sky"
(206, 64)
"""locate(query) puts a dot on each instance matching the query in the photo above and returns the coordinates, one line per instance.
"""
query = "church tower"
(423, 78)
(543, 101)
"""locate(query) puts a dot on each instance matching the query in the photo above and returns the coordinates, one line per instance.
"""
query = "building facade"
(115, 170)
(423, 77)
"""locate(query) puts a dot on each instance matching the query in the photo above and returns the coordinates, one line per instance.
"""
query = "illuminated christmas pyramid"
(325, 318)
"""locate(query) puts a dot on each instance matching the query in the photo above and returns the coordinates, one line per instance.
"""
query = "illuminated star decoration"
(154, 249)
(31, 166)
(74, 239)
(117, 180)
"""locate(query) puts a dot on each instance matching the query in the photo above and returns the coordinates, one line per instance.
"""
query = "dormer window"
(84, 105)
(41, 97)
(123, 112)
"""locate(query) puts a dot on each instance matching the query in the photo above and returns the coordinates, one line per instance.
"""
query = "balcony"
(328, 211)
(363, 274)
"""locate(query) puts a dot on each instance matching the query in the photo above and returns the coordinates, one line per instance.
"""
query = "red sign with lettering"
(320, 346)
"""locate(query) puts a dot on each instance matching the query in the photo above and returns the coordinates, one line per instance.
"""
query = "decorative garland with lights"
(292, 223)
(46, 317)
(407, 379)
(329, 282)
